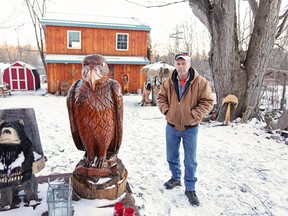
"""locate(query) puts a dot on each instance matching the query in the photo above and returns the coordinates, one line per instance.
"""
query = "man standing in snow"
(185, 98)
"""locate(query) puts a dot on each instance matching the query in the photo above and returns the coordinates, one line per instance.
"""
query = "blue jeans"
(189, 139)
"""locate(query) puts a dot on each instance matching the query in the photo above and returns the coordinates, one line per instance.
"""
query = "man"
(185, 98)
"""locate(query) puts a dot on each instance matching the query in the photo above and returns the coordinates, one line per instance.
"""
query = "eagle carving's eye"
(97, 73)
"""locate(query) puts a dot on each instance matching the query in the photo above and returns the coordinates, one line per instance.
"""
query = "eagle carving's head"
(94, 67)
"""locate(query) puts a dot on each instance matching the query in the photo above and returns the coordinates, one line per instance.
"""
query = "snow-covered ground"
(241, 171)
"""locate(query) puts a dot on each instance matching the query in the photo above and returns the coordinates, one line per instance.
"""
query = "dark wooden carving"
(21, 156)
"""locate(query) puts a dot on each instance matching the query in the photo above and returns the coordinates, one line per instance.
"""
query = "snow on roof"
(94, 21)
(56, 58)
(23, 64)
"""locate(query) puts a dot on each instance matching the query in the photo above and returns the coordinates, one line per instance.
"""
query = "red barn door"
(18, 78)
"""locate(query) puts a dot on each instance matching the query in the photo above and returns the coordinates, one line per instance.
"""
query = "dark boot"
(193, 199)
(172, 183)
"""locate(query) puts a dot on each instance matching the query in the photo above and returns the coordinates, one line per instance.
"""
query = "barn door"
(18, 78)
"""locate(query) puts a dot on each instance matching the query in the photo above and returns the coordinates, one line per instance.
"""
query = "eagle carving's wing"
(118, 101)
(71, 103)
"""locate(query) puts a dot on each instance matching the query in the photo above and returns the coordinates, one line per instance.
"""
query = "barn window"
(74, 39)
(122, 41)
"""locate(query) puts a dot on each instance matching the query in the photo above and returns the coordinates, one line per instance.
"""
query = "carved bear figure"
(16, 160)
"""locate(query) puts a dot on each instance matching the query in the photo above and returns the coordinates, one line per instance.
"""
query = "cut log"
(107, 187)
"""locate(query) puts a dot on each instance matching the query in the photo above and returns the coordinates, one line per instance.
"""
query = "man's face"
(182, 66)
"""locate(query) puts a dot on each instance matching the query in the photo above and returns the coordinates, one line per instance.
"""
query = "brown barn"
(70, 37)
(21, 76)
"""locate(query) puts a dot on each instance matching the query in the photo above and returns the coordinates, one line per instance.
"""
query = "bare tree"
(26, 53)
(8, 52)
(231, 76)
(37, 9)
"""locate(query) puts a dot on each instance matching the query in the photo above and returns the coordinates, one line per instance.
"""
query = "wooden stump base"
(99, 187)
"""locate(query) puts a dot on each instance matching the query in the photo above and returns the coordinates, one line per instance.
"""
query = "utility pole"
(177, 35)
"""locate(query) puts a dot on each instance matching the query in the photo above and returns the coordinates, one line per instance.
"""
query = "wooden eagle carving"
(95, 107)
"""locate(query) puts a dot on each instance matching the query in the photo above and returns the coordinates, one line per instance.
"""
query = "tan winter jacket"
(196, 102)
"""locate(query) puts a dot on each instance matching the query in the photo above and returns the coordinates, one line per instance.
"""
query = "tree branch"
(282, 25)
(202, 9)
(254, 6)
(36, 11)
(280, 46)
(156, 5)
(247, 188)
(7, 50)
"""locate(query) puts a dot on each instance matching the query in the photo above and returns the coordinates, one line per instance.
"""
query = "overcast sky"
(15, 22)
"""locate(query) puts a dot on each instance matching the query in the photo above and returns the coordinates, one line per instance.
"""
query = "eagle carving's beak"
(90, 74)
(94, 75)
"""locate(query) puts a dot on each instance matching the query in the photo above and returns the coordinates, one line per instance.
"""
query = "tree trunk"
(228, 76)
(260, 47)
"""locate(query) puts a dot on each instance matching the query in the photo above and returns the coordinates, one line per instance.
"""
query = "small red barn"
(21, 76)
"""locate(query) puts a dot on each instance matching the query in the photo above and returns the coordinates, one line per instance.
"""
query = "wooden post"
(283, 100)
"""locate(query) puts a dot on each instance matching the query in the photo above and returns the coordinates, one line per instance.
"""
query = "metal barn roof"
(133, 60)
(94, 21)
